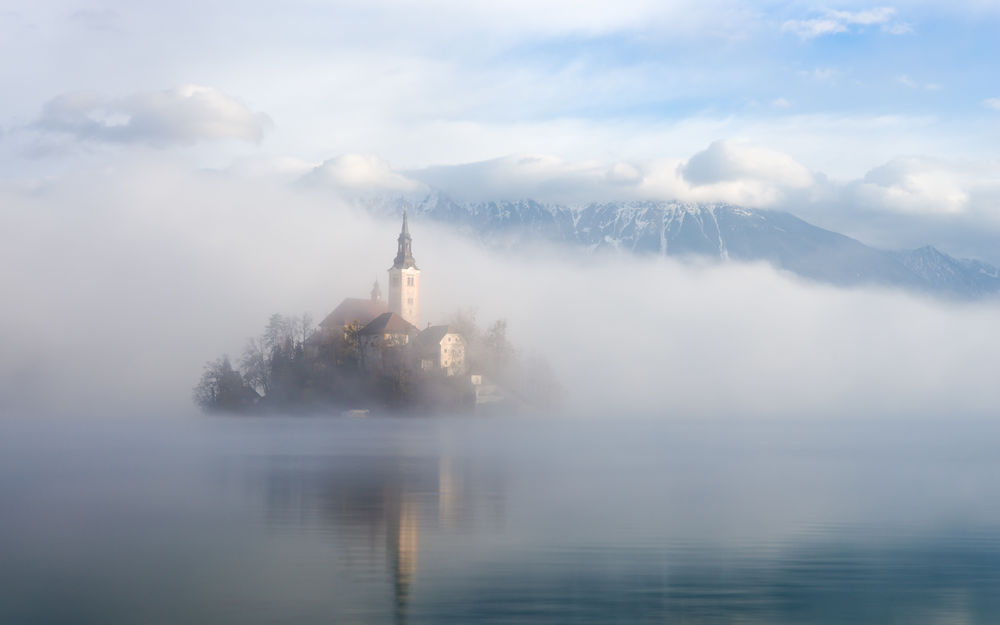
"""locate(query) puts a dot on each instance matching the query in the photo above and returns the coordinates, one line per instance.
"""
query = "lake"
(657, 520)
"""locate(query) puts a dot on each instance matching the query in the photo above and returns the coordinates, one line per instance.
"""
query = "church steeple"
(404, 279)
(404, 250)
(376, 292)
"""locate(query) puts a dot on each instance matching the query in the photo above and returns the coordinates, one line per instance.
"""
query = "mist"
(121, 282)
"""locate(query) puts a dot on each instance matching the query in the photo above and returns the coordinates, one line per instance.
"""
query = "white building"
(440, 348)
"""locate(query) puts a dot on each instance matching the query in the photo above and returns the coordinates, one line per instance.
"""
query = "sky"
(151, 156)
(877, 120)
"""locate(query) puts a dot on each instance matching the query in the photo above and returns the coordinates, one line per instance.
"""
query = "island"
(370, 356)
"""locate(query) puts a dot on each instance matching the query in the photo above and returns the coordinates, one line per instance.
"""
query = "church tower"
(404, 279)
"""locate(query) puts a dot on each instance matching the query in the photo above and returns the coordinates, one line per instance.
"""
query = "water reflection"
(384, 502)
(316, 521)
(638, 537)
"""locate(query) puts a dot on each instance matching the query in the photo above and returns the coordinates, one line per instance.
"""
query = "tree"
(303, 327)
(348, 351)
(278, 332)
(271, 355)
(222, 388)
(256, 363)
(465, 322)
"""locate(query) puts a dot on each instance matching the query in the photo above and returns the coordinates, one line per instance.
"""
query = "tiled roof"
(353, 309)
(389, 323)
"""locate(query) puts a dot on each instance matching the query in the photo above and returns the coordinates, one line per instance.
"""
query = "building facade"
(440, 349)
(384, 344)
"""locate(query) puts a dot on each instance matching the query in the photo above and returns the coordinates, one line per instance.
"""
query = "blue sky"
(909, 91)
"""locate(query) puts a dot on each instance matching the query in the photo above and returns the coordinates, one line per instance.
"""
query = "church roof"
(430, 338)
(434, 334)
(353, 310)
(389, 323)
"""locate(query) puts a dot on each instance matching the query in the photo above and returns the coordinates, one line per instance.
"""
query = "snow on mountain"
(719, 231)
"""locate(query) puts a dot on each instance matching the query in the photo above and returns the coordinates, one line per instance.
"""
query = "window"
(395, 280)
(410, 301)
(409, 280)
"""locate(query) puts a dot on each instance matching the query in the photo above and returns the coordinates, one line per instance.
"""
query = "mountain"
(720, 231)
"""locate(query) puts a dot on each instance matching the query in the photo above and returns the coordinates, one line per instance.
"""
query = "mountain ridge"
(714, 230)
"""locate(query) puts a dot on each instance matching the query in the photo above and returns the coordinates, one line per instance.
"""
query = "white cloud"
(993, 103)
(906, 81)
(833, 22)
(361, 173)
(807, 29)
(537, 176)
(918, 185)
(915, 185)
(733, 161)
(736, 172)
(879, 15)
(780, 103)
(728, 171)
(183, 115)
(898, 28)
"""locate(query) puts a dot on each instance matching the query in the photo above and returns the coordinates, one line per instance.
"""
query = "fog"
(121, 282)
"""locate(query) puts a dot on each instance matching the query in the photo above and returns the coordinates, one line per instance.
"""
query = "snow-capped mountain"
(707, 230)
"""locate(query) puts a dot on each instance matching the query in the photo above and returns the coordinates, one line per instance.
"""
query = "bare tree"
(305, 327)
(221, 387)
(256, 363)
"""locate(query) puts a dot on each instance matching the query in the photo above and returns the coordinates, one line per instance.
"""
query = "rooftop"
(389, 323)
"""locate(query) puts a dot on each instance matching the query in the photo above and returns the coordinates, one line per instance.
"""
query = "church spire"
(404, 278)
(376, 292)
(404, 251)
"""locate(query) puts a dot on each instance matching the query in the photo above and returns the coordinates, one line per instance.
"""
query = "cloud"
(934, 187)
(993, 103)
(361, 173)
(179, 116)
(901, 203)
(731, 161)
(160, 283)
(911, 201)
(906, 81)
(537, 176)
(734, 172)
(729, 171)
(834, 22)
(915, 185)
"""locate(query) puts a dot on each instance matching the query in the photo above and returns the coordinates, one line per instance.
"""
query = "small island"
(370, 356)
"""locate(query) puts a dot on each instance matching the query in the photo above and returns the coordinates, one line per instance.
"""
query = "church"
(388, 337)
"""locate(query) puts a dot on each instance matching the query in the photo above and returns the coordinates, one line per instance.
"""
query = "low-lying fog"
(120, 284)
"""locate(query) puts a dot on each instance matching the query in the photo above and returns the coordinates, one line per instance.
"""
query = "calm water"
(501, 521)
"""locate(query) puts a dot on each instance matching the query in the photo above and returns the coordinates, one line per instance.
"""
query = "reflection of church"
(383, 505)
(389, 339)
